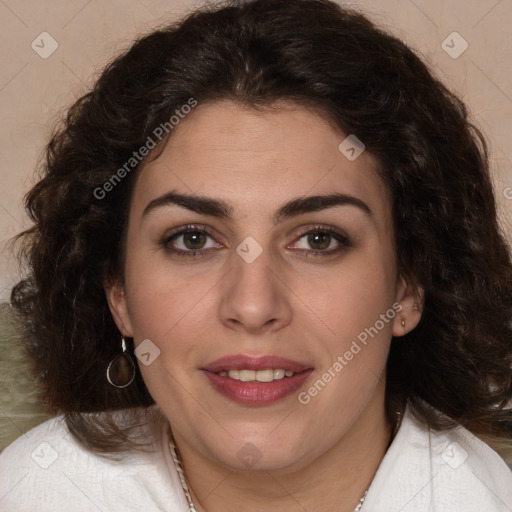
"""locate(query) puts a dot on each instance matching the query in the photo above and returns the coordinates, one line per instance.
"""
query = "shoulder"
(47, 470)
(463, 462)
(449, 470)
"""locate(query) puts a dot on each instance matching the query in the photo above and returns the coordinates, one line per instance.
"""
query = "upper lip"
(241, 362)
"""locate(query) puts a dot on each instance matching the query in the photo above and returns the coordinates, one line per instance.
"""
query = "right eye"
(189, 241)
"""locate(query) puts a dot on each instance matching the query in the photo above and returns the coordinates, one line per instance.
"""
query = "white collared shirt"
(45, 470)
(439, 471)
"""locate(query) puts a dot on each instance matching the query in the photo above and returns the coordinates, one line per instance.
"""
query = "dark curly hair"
(258, 53)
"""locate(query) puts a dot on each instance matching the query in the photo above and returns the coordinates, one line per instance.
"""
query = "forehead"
(259, 159)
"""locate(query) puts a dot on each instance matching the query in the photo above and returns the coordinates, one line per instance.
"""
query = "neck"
(334, 481)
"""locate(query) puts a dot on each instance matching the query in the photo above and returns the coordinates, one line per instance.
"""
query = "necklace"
(181, 473)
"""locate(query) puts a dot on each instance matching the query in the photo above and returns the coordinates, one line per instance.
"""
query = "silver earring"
(403, 323)
(121, 369)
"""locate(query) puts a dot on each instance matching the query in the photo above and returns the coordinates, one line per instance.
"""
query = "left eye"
(320, 241)
(194, 239)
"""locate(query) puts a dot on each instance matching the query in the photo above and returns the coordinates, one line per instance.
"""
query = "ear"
(410, 299)
(116, 298)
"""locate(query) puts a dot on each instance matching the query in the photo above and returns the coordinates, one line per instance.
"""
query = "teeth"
(265, 375)
(246, 375)
(259, 376)
(279, 374)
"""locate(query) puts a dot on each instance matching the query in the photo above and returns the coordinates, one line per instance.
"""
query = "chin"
(259, 453)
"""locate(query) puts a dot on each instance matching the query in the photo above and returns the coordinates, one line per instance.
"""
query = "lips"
(255, 392)
(241, 362)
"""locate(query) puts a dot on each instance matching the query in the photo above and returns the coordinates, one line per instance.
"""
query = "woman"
(266, 273)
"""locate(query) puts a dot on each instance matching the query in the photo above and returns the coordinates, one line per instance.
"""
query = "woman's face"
(256, 248)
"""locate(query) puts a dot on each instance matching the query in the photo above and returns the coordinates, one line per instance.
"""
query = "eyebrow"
(222, 210)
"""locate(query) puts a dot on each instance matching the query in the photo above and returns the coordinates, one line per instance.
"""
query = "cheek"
(174, 310)
(355, 295)
(161, 298)
(356, 308)
(359, 302)
(170, 313)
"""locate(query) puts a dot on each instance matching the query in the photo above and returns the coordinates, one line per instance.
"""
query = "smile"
(259, 376)
(256, 380)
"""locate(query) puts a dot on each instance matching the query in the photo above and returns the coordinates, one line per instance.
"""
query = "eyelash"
(191, 228)
(341, 238)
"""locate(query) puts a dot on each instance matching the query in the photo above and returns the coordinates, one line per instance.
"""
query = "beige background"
(35, 91)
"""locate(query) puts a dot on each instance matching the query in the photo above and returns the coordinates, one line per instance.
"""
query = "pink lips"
(239, 362)
(256, 393)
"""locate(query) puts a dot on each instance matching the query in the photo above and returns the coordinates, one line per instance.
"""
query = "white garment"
(423, 471)
(430, 471)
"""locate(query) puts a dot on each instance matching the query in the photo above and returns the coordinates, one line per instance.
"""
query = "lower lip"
(257, 393)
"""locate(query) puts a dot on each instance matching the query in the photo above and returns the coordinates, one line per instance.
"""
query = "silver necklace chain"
(361, 501)
(181, 473)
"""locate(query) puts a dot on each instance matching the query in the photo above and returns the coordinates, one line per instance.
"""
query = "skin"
(287, 302)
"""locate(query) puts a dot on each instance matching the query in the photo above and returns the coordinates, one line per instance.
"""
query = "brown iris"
(194, 239)
(319, 241)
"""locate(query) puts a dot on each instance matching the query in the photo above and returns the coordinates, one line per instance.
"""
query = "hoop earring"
(121, 369)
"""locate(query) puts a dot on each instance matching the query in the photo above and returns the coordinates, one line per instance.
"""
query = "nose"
(254, 297)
